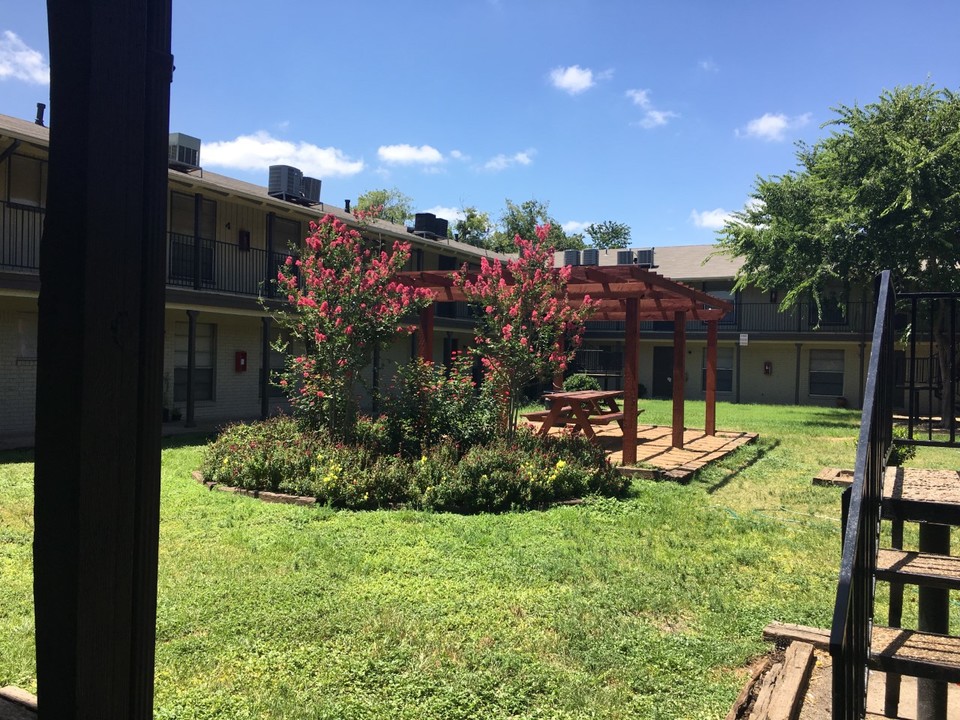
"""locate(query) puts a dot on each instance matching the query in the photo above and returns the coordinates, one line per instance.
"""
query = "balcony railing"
(213, 265)
(20, 229)
(766, 318)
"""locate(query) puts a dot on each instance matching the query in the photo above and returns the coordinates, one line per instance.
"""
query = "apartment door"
(662, 372)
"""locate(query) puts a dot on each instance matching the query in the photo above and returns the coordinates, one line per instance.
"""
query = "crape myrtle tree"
(523, 219)
(882, 191)
(383, 204)
(343, 302)
(526, 329)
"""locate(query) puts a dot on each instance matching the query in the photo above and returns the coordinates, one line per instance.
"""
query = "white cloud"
(708, 65)
(574, 226)
(656, 118)
(409, 155)
(457, 155)
(502, 162)
(450, 214)
(260, 150)
(573, 79)
(773, 127)
(651, 117)
(21, 62)
(711, 219)
(639, 97)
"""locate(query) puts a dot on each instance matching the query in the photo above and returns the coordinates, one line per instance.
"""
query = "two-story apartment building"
(225, 239)
(764, 355)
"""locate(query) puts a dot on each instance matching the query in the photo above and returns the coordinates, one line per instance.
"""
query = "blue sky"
(659, 115)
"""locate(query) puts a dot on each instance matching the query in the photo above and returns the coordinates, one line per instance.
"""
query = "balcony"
(20, 229)
(218, 266)
(761, 318)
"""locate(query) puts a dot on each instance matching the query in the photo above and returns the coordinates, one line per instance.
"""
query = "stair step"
(910, 652)
(918, 495)
(915, 568)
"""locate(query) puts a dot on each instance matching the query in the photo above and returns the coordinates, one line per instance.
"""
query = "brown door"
(662, 372)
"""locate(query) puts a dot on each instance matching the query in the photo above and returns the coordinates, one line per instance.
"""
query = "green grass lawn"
(647, 607)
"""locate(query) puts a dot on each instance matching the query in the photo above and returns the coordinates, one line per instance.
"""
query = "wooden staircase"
(911, 495)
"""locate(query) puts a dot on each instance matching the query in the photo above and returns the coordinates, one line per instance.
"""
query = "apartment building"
(225, 239)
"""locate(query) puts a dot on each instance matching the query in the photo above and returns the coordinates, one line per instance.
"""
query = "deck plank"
(911, 652)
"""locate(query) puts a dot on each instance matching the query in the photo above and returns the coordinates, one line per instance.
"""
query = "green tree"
(474, 229)
(882, 191)
(523, 220)
(390, 205)
(609, 234)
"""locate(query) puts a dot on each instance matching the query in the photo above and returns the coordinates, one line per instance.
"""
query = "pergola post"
(630, 381)
(425, 336)
(679, 374)
(710, 422)
(100, 360)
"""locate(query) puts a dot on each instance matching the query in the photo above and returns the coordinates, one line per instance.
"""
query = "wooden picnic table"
(582, 409)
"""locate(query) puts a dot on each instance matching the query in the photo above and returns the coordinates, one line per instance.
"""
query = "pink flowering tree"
(343, 301)
(526, 328)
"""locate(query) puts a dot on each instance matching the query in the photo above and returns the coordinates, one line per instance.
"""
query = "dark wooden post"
(191, 367)
(557, 380)
(679, 374)
(710, 422)
(265, 368)
(425, 336)
(269, 271)
(100, 369)
(630, 381)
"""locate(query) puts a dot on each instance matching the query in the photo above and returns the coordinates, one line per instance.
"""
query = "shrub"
(581, 381)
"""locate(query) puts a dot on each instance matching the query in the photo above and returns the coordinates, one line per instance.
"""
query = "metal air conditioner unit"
(183, 152)
(645, 258)
(590, 256)
(285, 182)
(311, 190)
(571, 257)
(625, 257)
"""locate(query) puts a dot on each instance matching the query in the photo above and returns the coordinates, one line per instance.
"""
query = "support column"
(710, 422)
(796, 392)
(197, 212)
(191, 365)
(630, 381)
(679, 375)
(269, 272)
(265, 367)
(425, 336)
(933, 615)
(100, 360)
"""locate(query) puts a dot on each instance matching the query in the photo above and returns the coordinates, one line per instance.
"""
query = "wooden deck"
(656, 457)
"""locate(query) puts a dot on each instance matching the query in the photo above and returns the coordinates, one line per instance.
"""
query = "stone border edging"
(265, 495)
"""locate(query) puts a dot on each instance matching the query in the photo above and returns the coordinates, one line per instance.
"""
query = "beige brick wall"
(18, 369)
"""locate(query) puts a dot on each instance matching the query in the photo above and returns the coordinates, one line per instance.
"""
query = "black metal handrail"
(20, 229)
(932, 381)
(853, 611)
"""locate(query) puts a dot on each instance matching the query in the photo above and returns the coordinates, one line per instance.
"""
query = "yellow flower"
(561, 464)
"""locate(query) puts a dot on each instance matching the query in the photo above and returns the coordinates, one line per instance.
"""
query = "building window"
(28, 181)
(833, 311)
(203, 378)
(724, 370)
(826, 372)
(26, 338)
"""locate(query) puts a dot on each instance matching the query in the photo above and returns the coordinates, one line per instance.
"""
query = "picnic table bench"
(582, 409)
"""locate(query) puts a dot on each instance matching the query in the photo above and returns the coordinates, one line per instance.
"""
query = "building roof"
(689, 263)
(216, 184)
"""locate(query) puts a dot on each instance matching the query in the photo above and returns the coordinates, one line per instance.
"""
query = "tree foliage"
(390, 205)
(882, 191)
(524, 319)
(474, 228)
(523, 220)
(343, 303)
(608, 234)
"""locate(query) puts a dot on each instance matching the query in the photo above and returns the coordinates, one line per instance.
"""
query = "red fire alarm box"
(240, 361)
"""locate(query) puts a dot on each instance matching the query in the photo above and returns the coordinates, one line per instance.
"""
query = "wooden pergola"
(626, 293)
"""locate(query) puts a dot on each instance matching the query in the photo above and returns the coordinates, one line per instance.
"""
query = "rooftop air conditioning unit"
(645, 258)
(625, 257)
(183, 152)
(571, 257)
(440, 226)
(424, 224)
(590, 256)
(285, 182)
(311, 190)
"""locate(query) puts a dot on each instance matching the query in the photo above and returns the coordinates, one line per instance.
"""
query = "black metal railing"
(767, 318)
(931, 377)
(853, 611)
(20, 229)
(224, 267)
